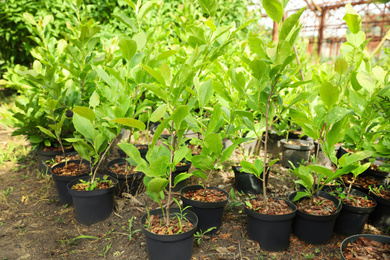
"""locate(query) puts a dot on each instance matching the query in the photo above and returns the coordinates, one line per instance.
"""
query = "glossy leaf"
(158, 113)
(329, 94)
(274, 9)
(209, 6)
(340, 66)
(130, 122)
(128, 48)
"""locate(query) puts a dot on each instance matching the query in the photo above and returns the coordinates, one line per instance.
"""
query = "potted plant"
(93, 196)
(269, 222)
(356, 247)
(357, 205)
(380, 217)
(168, 231)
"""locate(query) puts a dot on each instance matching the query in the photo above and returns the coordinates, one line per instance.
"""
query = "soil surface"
(35, 225)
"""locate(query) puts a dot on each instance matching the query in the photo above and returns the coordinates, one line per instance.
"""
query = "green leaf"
(303, 173)
(258, 68)
(29, 18)
(274, 9)
(145, 9)
(94, 101)
(257, 46)
(159, 130)
(126, 20)
(366, 81)
(158, 113)
(180, 154)
(203, 162)
(214, 119)
(209, 6)
(205, 92)
(155, 74)
(140, 39)
(289, 24)
(213, 141)
(131, 4)
(179, 114)
(226, 153)
(348, 159)
(329, 94)
(211, 25)
(84, 126)
(133, 153)
(341, 66)
(321, 170)
(35, 139)
(158, 91)
(156, 185)
(379, 73)
(47, 132)
(181, 177)
(199, 174)
(83, 149)
(103, 75)
(166, 54)
(130, 122)
(85, 112)
(354, 22)
(128, 48)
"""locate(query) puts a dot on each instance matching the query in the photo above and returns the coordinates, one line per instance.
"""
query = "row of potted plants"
(90, 96)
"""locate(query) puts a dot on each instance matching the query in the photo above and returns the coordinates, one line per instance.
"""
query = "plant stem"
(265, 146)
(170, 175)
(299, 62)
(101, 159)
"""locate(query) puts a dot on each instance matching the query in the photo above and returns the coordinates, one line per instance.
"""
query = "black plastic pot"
(180, 169)
(209, 213)
(271, 231)
(351, 219)
(95, 205)
(170, 247)
(129, 183)
(314, 229)
(380, 217)
(142, 150)
(379, 175)
(43, 157)
(62, 181)
(354, 238)
(248, 182)
(295, 153)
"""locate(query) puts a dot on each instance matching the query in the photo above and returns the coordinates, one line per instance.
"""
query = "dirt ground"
(35, 225)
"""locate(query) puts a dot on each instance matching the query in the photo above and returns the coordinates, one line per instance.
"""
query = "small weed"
(128, 228)
(2, 223)
(106, 250)
(60, 220)
(8, 191)
(199, 234)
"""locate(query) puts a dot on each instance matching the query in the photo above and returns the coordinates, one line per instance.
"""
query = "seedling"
(199, 235)
(129, 229)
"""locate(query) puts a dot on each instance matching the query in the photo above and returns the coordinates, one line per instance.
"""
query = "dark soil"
(122, 169)
(72, 169)
(383, 193)
(365, 248)
(61, 158)
(35, 225)
(362, 181)
(319, 206)
(99, 186)
(210, 195)
(274, 206)
(158, 225)
(357, 201)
